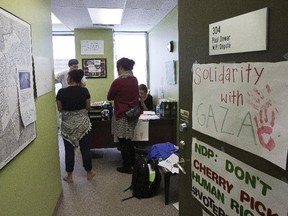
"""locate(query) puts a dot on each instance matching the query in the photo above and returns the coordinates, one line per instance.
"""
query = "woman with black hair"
(124, 92)
(73, 102)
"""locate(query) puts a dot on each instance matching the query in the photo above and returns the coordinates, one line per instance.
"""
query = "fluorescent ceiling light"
(105, 16)
(55, 20)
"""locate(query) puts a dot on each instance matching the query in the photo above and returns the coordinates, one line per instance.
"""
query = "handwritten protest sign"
(226, 186)
(245, 105)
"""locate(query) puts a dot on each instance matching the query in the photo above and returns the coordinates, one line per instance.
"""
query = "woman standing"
(124, 92)
(74, 102)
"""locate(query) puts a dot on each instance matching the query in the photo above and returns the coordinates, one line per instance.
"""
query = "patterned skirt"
(74, 125)
(122, 128)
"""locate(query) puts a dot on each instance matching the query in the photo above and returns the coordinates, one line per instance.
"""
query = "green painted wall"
(98, 88)
(158, 37)
(30, 184)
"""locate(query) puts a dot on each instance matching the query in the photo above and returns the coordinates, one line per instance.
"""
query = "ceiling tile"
(139, 15)
(144, 4)
(104, 4)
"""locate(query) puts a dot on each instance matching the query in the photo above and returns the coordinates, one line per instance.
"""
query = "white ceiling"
(138, 15)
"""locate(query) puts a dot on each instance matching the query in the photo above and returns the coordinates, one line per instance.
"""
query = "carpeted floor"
(102, 196)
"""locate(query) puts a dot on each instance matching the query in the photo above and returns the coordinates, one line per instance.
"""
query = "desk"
(160, 131)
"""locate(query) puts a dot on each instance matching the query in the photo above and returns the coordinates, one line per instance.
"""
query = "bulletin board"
(94, 67)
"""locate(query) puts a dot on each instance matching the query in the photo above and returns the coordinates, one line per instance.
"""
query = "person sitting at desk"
(145, 99)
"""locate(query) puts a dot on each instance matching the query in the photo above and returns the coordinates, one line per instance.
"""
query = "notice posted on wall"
(43, 75)
(92, 47)
(26, 96)
(244, 105)
(227, 186)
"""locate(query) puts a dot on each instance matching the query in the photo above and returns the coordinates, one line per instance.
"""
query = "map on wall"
(15, 50)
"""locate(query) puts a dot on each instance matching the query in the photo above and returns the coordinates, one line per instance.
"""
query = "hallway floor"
(102, 196)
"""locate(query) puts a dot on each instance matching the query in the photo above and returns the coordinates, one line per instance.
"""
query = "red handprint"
(265, 128)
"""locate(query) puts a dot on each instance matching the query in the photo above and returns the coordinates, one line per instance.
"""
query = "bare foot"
(90, 175)
(68, 179)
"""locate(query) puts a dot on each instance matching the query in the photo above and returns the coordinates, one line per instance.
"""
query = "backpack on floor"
(146, 179)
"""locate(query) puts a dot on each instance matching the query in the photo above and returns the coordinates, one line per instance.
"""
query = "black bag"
(133, 113)
(141, 185)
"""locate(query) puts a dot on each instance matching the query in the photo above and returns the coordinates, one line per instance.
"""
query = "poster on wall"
(26, 95)
(170, 72)
(43, 75)
(245, 105)
(94, 67)
(17, 128)
(227, 186)
(92, 47)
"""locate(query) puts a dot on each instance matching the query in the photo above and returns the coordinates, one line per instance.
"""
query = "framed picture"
(94, 67)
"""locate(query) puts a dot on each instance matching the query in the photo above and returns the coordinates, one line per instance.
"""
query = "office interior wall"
(31, 182)
(158, 37)
(98, 87)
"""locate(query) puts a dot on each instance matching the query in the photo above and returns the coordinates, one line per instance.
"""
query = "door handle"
(181, 161)
(182, 144)
(182, 127)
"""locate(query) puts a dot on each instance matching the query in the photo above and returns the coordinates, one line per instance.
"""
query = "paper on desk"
(148, 112)
(170, 162)
(148, 117)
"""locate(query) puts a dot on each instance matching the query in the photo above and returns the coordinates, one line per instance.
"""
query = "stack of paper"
(148, 115)
(170, 162)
